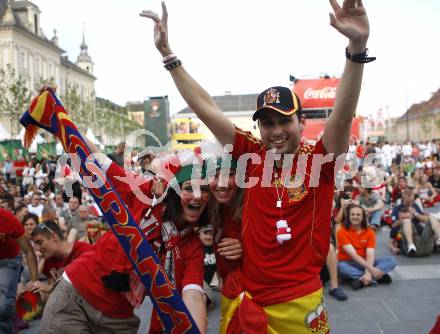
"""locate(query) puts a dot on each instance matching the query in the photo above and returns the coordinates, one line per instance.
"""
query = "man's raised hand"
(351, 21)
(160, 29)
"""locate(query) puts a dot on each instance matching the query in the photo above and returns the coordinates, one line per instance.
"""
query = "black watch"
(361, 58)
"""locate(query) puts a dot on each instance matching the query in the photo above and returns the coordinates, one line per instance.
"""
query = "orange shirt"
(360, 240)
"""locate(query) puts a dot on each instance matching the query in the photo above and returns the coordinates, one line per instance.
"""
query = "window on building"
(38, 67)
(317, 113)
(36, 23)
(22, 60)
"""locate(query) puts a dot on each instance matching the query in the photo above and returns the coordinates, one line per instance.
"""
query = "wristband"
(173, 65)
(360, 58)
(168, 57)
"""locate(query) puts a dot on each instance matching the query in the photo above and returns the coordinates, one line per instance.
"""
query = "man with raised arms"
(286, 222)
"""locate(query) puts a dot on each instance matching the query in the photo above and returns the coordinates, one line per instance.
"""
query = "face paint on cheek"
(186, 198)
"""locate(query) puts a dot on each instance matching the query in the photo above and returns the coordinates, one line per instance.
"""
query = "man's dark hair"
(47, 228)
(20, 207)
(9, 199)
(30, 216)
(404, 210)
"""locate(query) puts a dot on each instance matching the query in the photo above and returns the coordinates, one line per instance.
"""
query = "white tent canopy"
(4, 134)
(91, 136)
(38, 140)
(59, 148)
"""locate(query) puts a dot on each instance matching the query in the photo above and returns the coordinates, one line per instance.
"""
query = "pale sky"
(245, 46)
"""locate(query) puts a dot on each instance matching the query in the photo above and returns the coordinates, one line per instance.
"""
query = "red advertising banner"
(315, 128)
(316, 93)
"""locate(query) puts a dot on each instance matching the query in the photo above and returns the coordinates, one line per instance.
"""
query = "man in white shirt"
(387, 152)
(36, 207)
(407, 149)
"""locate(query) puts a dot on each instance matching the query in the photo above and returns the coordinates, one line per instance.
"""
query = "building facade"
(188, 131)
(36, 58)
(420, 123)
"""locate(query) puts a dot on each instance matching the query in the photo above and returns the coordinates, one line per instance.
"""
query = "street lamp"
(407, 114)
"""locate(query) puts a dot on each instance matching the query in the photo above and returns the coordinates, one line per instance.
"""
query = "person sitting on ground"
(30, 221)
(36, 207)
(71, 214)
(395, 242)
(434, 179)
(420, 232)
(77, 228)
(373, 206)
(356, 252)
(59, 205)
(342, 202)
(396, 192)
(57, 253)
(425, 190)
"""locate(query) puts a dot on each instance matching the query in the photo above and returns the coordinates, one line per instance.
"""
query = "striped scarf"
(46, 112)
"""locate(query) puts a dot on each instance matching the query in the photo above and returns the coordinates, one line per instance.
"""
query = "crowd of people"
(60, 228)
(268, 249)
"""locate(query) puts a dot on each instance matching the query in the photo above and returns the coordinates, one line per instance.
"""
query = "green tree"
(14, 97)
(114, 121)
(426, 126)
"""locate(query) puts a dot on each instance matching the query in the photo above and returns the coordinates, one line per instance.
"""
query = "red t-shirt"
(23, 164)
(53, 263)
(189, 270)
(107, 255)
(230, 270)
(360, 151)
(366, 238)
(10, 230)
(274, 273)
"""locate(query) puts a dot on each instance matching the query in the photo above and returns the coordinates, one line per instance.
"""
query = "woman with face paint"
(99, 291)
(229, 196)
(105, 277)
(95, 230)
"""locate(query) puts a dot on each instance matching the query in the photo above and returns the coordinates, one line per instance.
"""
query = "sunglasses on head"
(42, 226)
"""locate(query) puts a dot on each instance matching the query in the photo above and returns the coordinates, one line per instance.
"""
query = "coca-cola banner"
(315, 128)
(316, 93)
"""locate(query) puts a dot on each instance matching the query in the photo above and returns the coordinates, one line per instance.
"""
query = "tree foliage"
(426, 127)
(107, 120)
(14, 97)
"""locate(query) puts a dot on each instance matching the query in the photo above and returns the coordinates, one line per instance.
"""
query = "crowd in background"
(34, 190)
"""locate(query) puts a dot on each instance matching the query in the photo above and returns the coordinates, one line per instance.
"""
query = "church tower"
(84, 60)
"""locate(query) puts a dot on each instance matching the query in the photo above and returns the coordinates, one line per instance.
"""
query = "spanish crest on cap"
(271, 96)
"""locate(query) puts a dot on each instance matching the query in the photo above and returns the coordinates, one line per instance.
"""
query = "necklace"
(283, 231)
(279, 197)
